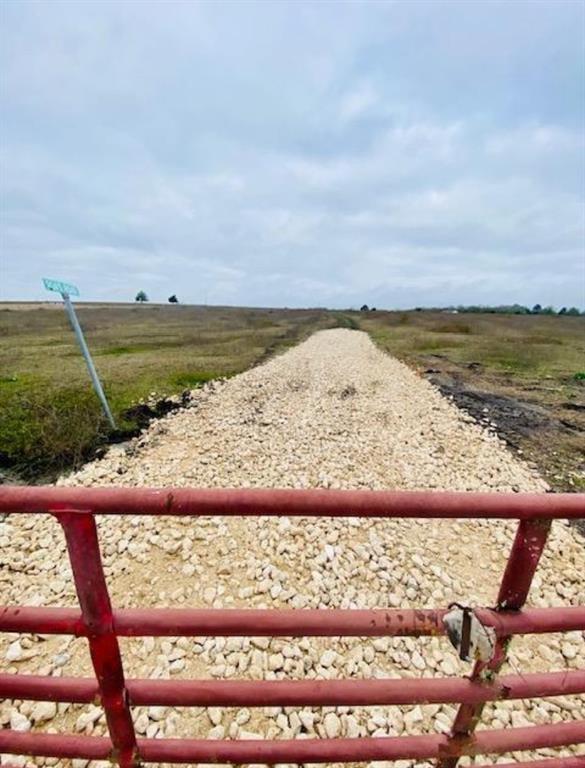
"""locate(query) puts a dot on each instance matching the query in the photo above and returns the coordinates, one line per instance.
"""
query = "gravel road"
(334, 412)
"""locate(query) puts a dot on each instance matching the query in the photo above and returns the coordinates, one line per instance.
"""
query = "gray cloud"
(294, 153)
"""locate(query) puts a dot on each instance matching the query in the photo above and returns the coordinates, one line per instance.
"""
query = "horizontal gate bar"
(551, 762)
(299, 750)
(76, 690)
(43, 621)
(320, 622)
(55, 745)
(252, 693)
(305, 503)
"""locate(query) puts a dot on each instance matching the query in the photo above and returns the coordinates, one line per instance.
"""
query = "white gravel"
(333, 412)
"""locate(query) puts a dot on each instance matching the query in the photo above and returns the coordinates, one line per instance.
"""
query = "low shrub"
(43, 427)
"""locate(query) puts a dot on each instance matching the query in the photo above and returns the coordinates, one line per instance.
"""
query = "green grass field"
(50, 418)
(523, 346)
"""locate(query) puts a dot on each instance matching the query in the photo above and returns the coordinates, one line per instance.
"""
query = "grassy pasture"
(525, 373)
(50, 418)
(49, 415)
(520, 346)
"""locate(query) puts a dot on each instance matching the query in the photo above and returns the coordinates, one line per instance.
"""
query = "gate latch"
(472, 640)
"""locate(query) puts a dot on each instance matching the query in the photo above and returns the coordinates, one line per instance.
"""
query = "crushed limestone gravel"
(333, 412)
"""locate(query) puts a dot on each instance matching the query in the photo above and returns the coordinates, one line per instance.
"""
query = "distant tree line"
(503, 309)
(511, 309)
(141, 296)
(519, 309)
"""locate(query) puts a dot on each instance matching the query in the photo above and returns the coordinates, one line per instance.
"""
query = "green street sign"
(66, 292)
(59, 287)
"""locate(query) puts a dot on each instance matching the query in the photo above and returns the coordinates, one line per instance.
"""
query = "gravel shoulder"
(333, 412)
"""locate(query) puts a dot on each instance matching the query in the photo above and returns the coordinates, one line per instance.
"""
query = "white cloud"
(358, 102)
(536, 139)
(401, 152)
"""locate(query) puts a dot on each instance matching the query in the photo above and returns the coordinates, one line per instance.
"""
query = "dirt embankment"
(535, 421)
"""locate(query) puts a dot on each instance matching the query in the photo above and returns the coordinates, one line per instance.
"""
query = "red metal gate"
(75, 509)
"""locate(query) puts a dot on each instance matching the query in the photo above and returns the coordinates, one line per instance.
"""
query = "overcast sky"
(296, 154)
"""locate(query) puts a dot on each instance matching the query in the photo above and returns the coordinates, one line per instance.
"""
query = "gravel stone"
(215, 715)
(43, 711)
(19, 722)
(141, 723)
(327, 658)
(569, 651)
(157, 713)
(14, 652)
(332, 725)
(275, 661)
(412, 718)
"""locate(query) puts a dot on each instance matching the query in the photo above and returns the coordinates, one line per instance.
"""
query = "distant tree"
(549, 311)
(536, 309)
(563, 311)
(573, 311)
(501, 309)
(173, 299)
(516, 309)
(364, 308)
(141, 296)
(373, 309)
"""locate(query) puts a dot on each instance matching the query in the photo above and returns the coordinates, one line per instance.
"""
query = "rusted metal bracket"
(470, 637)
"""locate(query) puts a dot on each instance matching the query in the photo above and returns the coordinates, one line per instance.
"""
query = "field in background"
(49, 416)
(517, 372)
(522, 373)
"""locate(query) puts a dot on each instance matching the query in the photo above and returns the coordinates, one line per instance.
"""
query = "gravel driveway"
(334, 412)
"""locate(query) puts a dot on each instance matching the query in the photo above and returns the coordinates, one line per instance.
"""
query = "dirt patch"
(547, 433)
(512, 418)
(144, 413)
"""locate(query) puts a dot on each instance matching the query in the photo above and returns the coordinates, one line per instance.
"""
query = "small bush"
(345, 321)
(42, 428)
(579, 376)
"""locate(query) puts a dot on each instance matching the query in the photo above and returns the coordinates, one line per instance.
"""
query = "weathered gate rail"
(75, 508)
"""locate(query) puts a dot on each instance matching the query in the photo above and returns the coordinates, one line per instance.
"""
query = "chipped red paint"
(297, 693)
(293, 503)
(75, 508)
(161, 622)
(550, 762)
(299, 750)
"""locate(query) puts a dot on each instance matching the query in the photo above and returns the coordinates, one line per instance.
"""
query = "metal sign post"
(71, 290)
